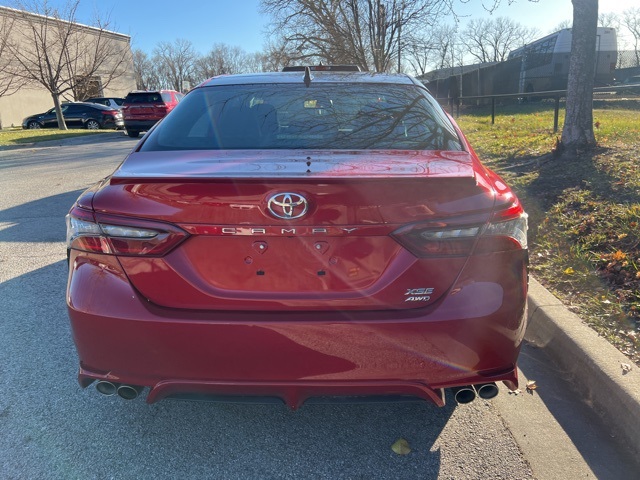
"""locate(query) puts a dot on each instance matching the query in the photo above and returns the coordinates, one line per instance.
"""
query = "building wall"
(36, 99)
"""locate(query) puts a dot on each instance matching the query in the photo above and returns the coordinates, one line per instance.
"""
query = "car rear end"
(142, 110)
(281, 240)
(108, 117)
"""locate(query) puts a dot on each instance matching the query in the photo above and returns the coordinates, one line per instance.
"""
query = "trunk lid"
(137, 111)
(338, 254)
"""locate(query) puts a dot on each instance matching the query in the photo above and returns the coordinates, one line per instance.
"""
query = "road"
(52, 429)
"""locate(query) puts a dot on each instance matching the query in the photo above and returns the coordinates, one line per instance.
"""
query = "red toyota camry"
(294, 235)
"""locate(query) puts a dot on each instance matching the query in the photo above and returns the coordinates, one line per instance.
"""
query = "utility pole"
(399, 44)
(400, 14)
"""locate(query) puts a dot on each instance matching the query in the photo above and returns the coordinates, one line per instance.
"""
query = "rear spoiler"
(195, 165)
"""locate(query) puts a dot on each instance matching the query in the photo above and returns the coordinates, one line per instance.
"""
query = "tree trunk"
(62, 125)
(577, 133)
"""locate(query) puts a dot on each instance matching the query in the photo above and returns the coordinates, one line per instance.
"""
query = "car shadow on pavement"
(41, 220)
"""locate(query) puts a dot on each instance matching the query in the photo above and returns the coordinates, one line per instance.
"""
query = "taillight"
(506, 230)
(119, 235)
(111, 112)
(438, 239)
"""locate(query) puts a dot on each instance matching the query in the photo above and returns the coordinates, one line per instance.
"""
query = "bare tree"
(278, 53)
(10, 83)
(369, 33)
(176, 62)
(440, 49)
(257, 62)
(609, 20)
(141, 65)
(491, 40)
(449, 47)
(146, 72)
(631, 20)
(62, 55)
(561, 26)
(221, 59)
(420, 54)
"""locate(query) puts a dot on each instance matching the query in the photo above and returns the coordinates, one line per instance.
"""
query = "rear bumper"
(109, 122)
(139, 125)
(122, 338)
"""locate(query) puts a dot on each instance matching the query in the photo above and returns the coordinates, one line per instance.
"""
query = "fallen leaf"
(531, 386)
(619, 256)
(626, 368)
(401, 447)
(569, 271)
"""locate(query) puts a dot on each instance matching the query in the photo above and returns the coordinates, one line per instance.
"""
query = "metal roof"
(16, 13)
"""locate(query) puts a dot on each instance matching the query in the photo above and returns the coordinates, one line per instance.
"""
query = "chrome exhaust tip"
(464, 395)
(106, 388)
(487, 390)
(129, 392)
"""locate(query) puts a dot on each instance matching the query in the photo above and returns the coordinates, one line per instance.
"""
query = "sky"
(240, 23)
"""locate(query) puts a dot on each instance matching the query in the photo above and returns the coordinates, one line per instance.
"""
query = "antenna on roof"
(307, 76)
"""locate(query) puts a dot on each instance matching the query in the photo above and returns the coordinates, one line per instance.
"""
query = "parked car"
(142, 109)
(631, 84)
(294, 235)
(77, 114)
(113, 102)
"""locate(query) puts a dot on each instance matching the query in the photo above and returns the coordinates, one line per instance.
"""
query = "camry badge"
(287, 206)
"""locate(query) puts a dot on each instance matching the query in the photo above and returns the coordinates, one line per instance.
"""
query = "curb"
(593, 365)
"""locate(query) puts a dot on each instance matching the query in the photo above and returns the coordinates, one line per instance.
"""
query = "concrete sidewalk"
(593, 365)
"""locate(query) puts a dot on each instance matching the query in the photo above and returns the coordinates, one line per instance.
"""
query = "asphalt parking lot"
(51, 428)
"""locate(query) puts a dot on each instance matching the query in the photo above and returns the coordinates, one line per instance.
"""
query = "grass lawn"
(584, 213)
(17, 136)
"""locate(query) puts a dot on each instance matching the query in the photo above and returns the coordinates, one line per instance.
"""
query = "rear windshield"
(324, 116)
(144, 97)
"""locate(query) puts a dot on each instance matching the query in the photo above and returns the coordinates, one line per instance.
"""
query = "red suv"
(294, 235)
(142, 110)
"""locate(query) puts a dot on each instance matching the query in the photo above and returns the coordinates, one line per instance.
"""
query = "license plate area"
(290, 264)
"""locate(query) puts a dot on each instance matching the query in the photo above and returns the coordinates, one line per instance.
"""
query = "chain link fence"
(533, 73)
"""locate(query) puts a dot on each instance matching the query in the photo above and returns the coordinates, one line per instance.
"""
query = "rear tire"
(133, 133)
(92, 125)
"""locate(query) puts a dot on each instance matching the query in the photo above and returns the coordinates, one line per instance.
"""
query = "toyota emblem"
(287, 206)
